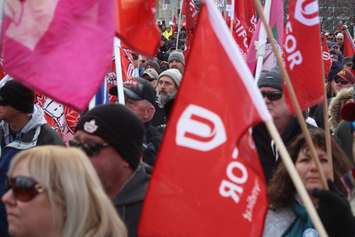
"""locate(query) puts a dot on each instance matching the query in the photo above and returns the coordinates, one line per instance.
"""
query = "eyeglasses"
(341, 81)
(272, 96)
(90, 149)
(23, 188)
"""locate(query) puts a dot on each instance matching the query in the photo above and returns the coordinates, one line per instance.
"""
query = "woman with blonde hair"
(55, 192)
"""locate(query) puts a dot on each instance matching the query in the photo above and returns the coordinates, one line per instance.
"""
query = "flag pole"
(293, 97)
(328, 143)
(261, 43)
(119, 81)
(306, 200)
(179, 25)
(232, 15)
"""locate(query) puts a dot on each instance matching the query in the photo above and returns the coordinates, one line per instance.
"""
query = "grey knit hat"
(271, 79)
(178, 56)
(172, 73)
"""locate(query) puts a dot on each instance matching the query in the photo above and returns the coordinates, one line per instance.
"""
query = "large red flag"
(60, 47)
(136, 25)
(349, 46)
(207, 180)
(304, 60)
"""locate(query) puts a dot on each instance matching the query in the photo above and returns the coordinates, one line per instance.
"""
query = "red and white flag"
(136, 25)
(304, 61)
(327, 60)
(207, 180)
(60, 47)
(349, 46)
(191, 9)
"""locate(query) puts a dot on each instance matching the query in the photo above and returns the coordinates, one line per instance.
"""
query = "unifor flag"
(190, 9)
(276, 22)
(62, 48)
(327, 60)
(304, 60)
(349, 46)
(136, 25)
(244, 23)
(207, 180)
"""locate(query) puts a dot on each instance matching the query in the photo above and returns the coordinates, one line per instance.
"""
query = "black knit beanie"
(16, 95)
(119, 127)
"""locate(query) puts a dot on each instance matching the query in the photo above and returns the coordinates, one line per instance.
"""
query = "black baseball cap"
(137, 89)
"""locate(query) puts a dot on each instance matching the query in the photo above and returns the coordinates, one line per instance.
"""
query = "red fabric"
(198, 158)
(304, 61)
(65, 54)
(327, 61)
(349, 47)
(136, 25)
(190, 10)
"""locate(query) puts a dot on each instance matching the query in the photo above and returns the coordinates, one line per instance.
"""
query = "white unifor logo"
(90, 126)
(326, 56)
(200, 129)
(306, 12)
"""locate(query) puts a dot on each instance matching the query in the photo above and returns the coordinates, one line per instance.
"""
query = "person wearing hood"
(23, 126)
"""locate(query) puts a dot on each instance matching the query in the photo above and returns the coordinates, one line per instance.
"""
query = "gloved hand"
(335, 212)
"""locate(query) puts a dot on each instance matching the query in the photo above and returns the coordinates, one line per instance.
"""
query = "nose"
(8, 198)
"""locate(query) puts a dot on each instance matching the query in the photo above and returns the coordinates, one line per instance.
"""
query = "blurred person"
(168, 85)
(112, 136)
(287, 216)
(177, 60)
(55, 192)
(151, 75)
(153, 63)
(343, 79)
(22, 126)
(339, 38)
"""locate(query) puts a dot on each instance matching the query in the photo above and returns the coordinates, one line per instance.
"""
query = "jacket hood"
(336, 104)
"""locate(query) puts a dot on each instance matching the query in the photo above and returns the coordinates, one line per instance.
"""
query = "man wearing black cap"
(271, 88)
(112, 136)
(23, 126)
(140, 99)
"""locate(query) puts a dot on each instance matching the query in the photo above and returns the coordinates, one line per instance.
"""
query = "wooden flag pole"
(293, 97)
(286, 159)
(328, 143)
(120, 92)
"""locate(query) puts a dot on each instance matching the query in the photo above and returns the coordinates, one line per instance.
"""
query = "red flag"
(190, 9)
(327, 61)
(202, 185)
(137, 25)
(349, 46)
(304, 61)
(59, 47)
(244, 23)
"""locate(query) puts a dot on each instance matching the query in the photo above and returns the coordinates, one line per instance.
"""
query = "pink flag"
(276, 23)
(60, 47)
(207, 180)
(304, 61)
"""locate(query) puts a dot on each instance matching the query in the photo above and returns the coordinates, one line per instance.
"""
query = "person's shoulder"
(277, 221)
(48, 136)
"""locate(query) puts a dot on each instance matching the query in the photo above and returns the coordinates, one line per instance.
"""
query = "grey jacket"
(277, 222)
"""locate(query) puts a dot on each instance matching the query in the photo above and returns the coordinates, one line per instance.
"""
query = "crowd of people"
(97, 185)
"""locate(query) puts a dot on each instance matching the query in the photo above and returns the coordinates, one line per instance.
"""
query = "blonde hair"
(73, 185)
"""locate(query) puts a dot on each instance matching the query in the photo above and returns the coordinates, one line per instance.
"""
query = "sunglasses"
(341, 81)
(272, 96)
(23, 188)
(90, 149)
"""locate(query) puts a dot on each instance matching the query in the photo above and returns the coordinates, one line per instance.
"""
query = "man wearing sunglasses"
(271, 88)
(112, 136)
(23, 126)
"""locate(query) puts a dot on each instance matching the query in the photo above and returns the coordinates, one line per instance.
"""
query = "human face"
(166, 85)
(176, 64)
(7, 113)
(308, 171)
(138, 107)
(20, 214)
(278, 107)
(107, 162)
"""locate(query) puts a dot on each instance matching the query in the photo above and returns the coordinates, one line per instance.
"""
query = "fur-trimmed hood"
(336, 104)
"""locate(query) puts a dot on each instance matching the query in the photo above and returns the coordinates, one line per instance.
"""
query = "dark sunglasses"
(341, 81)
(272, 96)
(23, 188)
(90, 149)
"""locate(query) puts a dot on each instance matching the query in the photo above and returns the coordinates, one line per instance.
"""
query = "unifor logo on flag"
(207, 179)
(304, 61)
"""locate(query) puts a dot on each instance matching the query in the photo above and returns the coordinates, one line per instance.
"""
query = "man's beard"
(164, 97)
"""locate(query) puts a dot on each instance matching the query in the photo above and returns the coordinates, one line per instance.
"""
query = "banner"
(304, 61)
(349, 46)
(136, 25)
(61, 47)
(207, 180)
